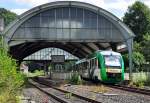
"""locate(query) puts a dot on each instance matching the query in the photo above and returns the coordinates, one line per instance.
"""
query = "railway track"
(60, 100)
(59, 94)
(131, 89)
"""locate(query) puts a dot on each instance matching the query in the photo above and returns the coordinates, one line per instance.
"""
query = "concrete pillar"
(45, 69)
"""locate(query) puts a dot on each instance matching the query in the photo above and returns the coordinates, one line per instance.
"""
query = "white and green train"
(106, 66)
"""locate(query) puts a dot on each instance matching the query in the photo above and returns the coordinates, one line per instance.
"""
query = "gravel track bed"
(111, 96)
(36, 96)
(60, 94)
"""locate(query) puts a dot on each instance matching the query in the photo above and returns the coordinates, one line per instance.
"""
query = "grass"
(99, 89)
(75, 79)
(36, 73)
(140, 80)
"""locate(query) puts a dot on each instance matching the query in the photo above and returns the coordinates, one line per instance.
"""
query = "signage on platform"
(58, 58)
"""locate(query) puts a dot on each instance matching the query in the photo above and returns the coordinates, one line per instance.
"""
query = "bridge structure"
(76, 27)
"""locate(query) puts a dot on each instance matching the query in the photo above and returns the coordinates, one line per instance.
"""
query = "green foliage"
(140, 79)
(68, 95)
(146, 47)
(33, 66)
(137, 57)
(11, 81)
(139, 84)
(36, 73)
(138, 19)
(137, 47)
(7, 15)
(75, 79)
(68, 65)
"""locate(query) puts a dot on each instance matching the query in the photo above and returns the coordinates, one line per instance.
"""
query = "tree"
(138, 19)
(146, 47)
(7, 15)
(11, 80)
(137, 57)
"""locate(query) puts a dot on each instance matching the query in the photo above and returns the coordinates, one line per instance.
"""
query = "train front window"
(113, 61)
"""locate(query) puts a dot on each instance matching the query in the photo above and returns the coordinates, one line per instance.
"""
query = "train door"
(85, 66)
(97, 71)
(88, 68)
(92, 68)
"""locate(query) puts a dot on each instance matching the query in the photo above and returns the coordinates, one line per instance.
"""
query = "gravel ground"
(36, 96)
(108, 95)
(111, 96)
(65, 96)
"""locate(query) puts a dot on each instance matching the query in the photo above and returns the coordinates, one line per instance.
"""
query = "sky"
(117, 7)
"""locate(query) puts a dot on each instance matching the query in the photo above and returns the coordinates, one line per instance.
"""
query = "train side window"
(85, 65)
(88, 63)
(98, 64)
(95, 62)
(91, 64)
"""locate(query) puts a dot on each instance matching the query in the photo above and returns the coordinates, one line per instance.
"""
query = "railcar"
(106, 66)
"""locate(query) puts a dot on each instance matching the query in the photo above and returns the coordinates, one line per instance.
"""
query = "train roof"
(103, 52)
(80, 61)
(108, 52)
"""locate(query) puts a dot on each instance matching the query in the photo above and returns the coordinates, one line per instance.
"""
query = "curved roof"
(117, 29)
(11, 28)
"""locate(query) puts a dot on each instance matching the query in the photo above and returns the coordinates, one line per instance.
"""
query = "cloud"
(147, 2)
(110, 5)
(18, 11)
(32, 2)
(39, 2)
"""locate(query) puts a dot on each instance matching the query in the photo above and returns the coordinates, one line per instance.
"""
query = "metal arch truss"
(77, 27)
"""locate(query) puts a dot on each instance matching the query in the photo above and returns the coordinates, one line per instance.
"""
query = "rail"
(46, 83)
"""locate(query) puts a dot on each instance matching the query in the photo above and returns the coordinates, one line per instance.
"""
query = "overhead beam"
(87, 46)
(100, 46)
(92, 45)
(79, 48)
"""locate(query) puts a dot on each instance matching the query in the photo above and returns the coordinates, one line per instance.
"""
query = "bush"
(140, 79)
(11, 81)
(75, 79)
(139, 83)
(36, 73)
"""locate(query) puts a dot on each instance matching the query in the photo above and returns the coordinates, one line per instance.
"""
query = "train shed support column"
(45, 69)
(130, 48)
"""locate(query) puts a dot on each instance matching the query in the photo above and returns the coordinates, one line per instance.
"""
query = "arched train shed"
(77, 27)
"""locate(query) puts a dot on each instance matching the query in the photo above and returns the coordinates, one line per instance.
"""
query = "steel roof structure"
(77, 27)
(46, 53)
